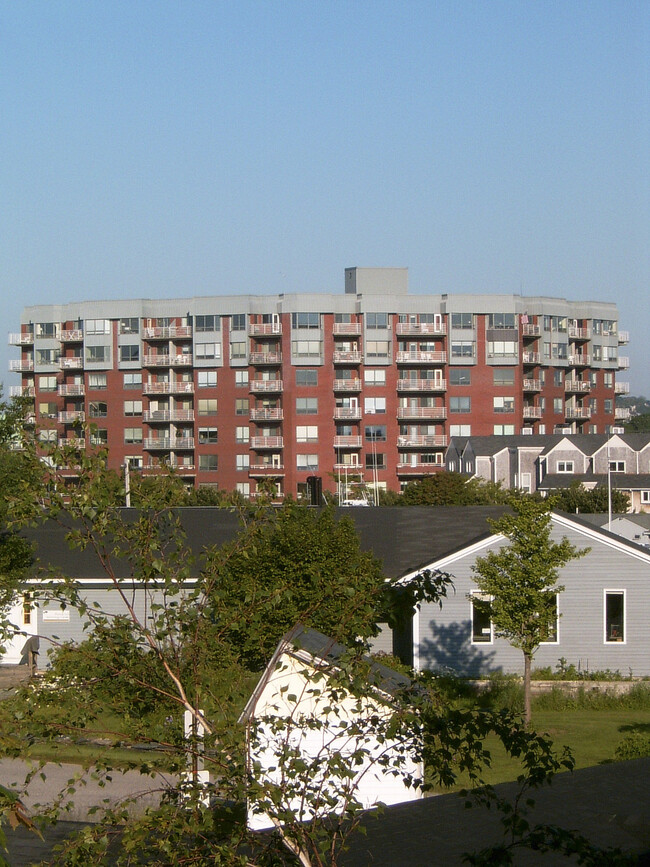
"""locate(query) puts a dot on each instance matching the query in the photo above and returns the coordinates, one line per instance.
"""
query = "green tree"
(519, 581)
(576, 498)
(638, 423)
(452, 489)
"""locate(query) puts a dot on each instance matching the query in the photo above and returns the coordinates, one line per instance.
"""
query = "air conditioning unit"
(526, 430)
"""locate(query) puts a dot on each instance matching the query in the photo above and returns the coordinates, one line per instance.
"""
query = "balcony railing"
(421, 384)
(622, 413)
(266, 414)
(347, 385)
(622, 388)
(21, 339)
(623, 362)
(578, 333)
(71, 362)
(533, 412)
(531, 357)
(436, 412)
(22, 391)
(532, 384)
(167, 415)
(347, 356)
(579, 360)
(184, 360)
(577, 412)
(71, 416)
(623, 337)
(72, 335)
(265, 328)
(266, 470)
(267, 442)
(416, 328)
(342, 328)
(168, 332)
(353, 412)
(429, 441)
(418, 469)
(349, 470)
(266, 385)
(168, 443)
(72, 442)
(576, 385)
(173, 387)
(347, 442)
(20, 365)
(531, 329)
(425, 357)
(265, 358)
(74, 390)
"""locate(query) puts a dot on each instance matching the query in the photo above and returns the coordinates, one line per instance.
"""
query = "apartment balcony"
(414, 329)
(576, 386)
(531, 329)
(72, 442)
(621, 388)
(579, 333)
(421, 384)
(577, 412)
(623, 362)
(158, 416)
(347, 412)
(623, 337)
(579, 360)
(268, 329)
(265, 358)
(22, 391)
(168, 443)
(622, 413)
(266, 385)
(349, 470)
(346, 328)
(266, 414)
(417, 469)
(72, 335)
(21, 365)
(152, 469)
(184, 360)
(71, 417)
(169, 332)
(264, 470)
(531, 357)
(426, 412)
(173, 387)
(426, 357)
(533, 412)
(74, 390)
(267, 442)
(21, 339)
(428, 441)
(71, 362)
(347, 385)
(347, 356)
(347, 442)
(532, 385)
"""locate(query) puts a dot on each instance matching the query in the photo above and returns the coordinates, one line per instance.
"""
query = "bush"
(638, 698)
(633, 746)
(505, 692)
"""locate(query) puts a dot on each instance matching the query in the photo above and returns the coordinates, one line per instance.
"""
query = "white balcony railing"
(421, 384)
(577, 412)
(424, 357)
(267, 414)
(168, 415)
(435, 412)
(533, 412)
(21, 339)
(347, 356)
(530, 329)
(579, 360)
(579, 333)
(353, 412)
(265, 358)
(347, 442)
(73, 390)
(168, 443)
(169, 332)
(428, 441)
(71, 362)
(347, 385)
(183, 360)
(416, 328)
(72, 335)
(622, 413)
(269, 329)
(623, 337)
(622, 388)
(267, 442)
(22, 391)
(21, 365)
(532, 384)
(576, 385)
(342, 328)
(623, 362)
(531, 357)
(71, 416)
(266, 385)
(173, 387)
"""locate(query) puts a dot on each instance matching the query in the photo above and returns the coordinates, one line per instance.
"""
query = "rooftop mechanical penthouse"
(365, 386)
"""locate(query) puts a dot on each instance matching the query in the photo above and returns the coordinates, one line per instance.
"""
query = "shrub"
(636, 745)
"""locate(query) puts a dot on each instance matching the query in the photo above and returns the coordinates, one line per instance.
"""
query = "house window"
(460, 404)
(47, 410)
(558, 406)
(460, 430)
(207, 378)
(552, 633)
(307, 462)
(525, 483)
(645, 497)
(132, 407)
(306, 405)
(130, 352)
(565, 466)
(99, 437)
(371, 376)
(461, 375)
(501, 348)
(131, 380)
(557, 378)
(617, 466)
(307, 376)
(609, 406)
(504, 430)
(614, 616)
(307, 433)
(97, 326)
(374, 405)
(208, 463)
(480, 615)
(208, 435)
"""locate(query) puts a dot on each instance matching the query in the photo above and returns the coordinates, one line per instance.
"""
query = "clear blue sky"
(162, 149)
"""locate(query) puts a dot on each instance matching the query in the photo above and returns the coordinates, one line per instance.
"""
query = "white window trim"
(488, 598)
(605, 592)
(557, 623)
(566, 465)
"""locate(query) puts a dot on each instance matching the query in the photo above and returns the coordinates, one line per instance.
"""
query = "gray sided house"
(602, 613)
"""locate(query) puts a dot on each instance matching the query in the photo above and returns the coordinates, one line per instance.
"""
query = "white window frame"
(617, 466)
(486, 597)
(565, 467)
(557, 622)
(207, 378)
(645, 497)
(622, 592)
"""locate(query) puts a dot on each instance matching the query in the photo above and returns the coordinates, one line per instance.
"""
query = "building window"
(209, 322)
(501, 320)
(608, 379)
(376, 320)
(377, 348)
(503, 376)
(241, 378)
(238, 322)
(305, 320)
(614, 616)
(243, 488)
(131, 380)
(645, 496)
(608, 406)
(552, 633)
(132, 434)
(376, 461)
(130, 326)
(504, 430)
(306, 462)
(242, 434)
(617, 466)
(501, 348)
(558, 406)
(307, 376)
(97, 326)
(242, 462)
(480, 616)
(460, 430)
(376, 433)
(565, 466)
(207, 406)
(132, 407)
(238, 350)
(241, 406)
(207, 350)
(47, 383)
(98, 354)
(46, 329)
(460, 404)
(208, 435)
(47, 410)
(208, 463)
(503, 404)
(372, 376)
(374, 405)
(307, 433)
(99, 437)
(557, 378)
(463, 349)
(460, 376)
(306, 405)
(306, 348)
(207, 378)
(462, 321)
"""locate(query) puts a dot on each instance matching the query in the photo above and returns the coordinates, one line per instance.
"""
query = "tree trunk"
(527, 709)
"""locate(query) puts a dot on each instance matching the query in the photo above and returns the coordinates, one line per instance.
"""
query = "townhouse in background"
(366, 386)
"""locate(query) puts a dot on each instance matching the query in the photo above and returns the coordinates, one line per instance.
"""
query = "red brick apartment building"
(365, 385)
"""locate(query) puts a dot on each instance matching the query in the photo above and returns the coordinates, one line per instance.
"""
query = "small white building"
(302, 719)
